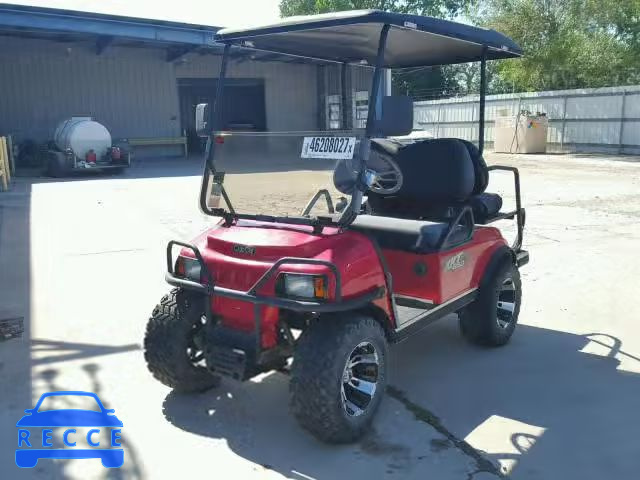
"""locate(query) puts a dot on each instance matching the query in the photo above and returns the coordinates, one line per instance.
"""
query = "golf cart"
(323, 295)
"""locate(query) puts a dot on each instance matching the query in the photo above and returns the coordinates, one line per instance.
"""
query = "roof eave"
(49, 20)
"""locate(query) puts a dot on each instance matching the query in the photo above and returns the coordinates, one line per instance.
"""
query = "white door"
(360, 109)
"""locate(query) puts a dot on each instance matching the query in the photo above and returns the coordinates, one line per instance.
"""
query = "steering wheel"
(383, 175)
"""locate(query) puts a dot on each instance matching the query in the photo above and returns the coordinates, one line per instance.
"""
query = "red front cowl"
(239, 255)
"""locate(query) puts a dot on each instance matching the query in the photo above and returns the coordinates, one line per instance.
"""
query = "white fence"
(588, 120)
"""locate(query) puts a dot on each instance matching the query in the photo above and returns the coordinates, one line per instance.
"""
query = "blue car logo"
(29, 451)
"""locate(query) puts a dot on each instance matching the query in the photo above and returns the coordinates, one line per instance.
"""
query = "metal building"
(142, 78)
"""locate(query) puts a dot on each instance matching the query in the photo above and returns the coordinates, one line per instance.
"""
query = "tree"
(435, 8)
(567, 43)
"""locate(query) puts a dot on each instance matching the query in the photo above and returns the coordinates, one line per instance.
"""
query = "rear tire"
(492, 317)
(169, 339)
(337, 359)
(56, 164)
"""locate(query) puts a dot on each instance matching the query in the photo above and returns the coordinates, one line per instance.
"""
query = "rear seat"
(440, 176)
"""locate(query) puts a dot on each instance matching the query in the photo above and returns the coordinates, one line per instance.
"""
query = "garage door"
(243, 105)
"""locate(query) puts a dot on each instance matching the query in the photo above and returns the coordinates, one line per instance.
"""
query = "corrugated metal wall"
(602, 119)
(291, 92)
(132, 91)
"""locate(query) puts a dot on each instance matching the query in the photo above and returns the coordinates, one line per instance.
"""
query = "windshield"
(284, 126)
(69, 401)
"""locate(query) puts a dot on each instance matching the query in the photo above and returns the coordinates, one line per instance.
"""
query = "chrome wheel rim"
(360, 379)
(506, 303)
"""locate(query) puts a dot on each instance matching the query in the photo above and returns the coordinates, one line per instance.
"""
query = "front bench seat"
(440, 177)
(415, 236)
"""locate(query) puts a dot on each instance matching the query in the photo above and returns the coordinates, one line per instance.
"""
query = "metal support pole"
(388, 82)
(519, 107)
(355, 205)
(343, 96)
(217, 106)
(623, 112)
(323, 114)
(375, 87)
(564, 122)
(209, 154)
(483, 95)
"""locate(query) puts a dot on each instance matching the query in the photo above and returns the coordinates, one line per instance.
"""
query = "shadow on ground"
(52, 351)
(132, 469)
(583, 403)
(585, 407)
(233, 163)
(254, 421)
(15, 288)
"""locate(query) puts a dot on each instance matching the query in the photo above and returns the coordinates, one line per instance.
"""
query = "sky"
(223, 13)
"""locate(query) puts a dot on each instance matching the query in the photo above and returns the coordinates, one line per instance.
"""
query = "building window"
(334, 112)
(360, 109)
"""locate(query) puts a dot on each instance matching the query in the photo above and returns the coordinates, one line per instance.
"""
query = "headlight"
(188, 268)
(303, 286)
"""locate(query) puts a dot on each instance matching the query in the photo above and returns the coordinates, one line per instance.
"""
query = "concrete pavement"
(82, 261)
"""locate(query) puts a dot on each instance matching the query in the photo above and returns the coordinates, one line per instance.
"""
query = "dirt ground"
(82, 263)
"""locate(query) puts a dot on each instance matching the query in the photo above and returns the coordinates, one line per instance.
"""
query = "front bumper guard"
(296, 305)
(209, 289)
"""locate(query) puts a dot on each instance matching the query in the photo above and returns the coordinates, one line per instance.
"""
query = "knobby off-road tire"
(318, 377)
(169, 336)
(492, 317)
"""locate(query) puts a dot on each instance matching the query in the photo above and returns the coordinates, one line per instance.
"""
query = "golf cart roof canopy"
(353, 37)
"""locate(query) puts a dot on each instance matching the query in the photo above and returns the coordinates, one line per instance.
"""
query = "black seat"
(416, 236)
(440, 176)
(484, 205)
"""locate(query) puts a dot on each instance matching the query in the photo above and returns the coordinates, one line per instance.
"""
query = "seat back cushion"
(436, 172)
(479, 166)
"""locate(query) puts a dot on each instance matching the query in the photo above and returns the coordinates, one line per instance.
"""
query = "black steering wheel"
(382, 175)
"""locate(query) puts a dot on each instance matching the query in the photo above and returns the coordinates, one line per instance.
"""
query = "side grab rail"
(519, 211)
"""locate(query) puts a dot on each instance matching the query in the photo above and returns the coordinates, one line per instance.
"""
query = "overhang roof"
(50, 23)
(177, 38)
(353, 37)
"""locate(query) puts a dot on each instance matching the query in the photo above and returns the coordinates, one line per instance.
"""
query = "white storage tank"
(521, 134)
(82, 134)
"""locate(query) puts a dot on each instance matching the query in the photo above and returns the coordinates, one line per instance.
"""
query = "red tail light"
(116, 154)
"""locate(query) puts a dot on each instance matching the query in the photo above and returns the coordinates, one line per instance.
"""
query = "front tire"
(339, 376)
(169, 349)
(492, 317)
